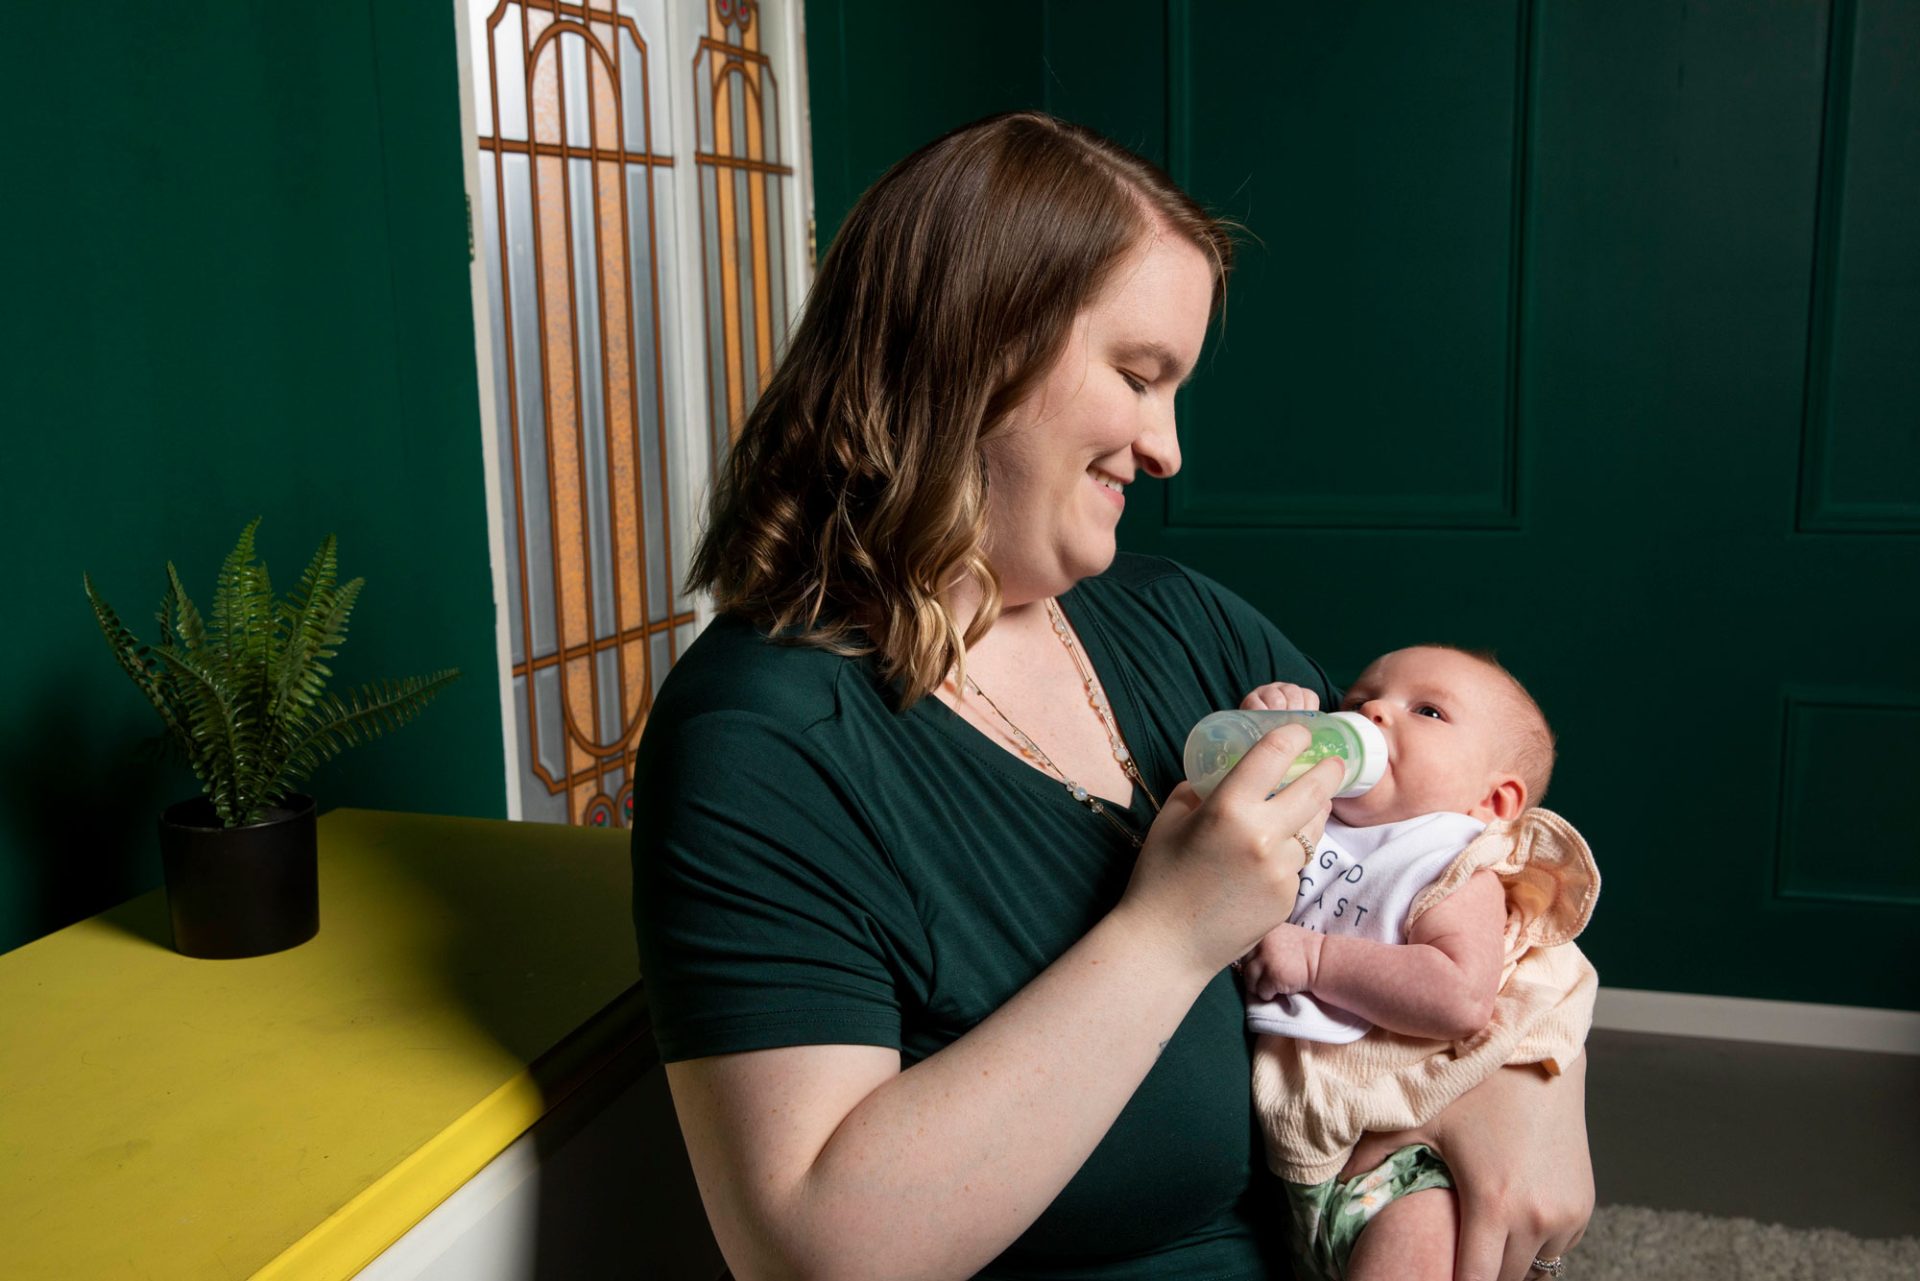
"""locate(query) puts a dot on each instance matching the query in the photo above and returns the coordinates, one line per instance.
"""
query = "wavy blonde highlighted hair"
(856, 494)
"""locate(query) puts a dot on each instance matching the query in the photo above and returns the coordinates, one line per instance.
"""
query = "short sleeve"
(1259, 651)
(767, 915)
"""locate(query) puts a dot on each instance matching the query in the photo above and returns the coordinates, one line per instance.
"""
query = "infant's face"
(1445, 715)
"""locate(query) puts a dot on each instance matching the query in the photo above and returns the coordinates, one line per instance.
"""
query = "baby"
(1429, 947)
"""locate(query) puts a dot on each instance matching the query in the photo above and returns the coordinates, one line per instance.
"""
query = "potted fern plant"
(242, 694)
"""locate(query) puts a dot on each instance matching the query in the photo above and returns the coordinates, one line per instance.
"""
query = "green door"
(1590, 333)
(1587, 332)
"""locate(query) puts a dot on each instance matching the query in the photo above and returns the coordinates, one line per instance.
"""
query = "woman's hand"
(1218, 874)
(1517, 1146)
(1280, 696)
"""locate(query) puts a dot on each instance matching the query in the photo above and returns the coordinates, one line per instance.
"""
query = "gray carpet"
(1627, 1243)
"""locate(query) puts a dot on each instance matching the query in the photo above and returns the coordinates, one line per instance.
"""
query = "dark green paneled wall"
(1584, 331)
(885, 78)
(238, 288)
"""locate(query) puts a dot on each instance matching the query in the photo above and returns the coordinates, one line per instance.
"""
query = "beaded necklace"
(1097, 700)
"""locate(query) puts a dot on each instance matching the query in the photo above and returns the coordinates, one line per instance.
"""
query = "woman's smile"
(1114, 489)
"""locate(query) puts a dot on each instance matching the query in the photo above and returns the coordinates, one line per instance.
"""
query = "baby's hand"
(1281, 697)
(1282, 963)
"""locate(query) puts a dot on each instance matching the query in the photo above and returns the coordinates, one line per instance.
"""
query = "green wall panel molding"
(1569, 330)
(1862, 442)
(246, 295)
(1847, 833)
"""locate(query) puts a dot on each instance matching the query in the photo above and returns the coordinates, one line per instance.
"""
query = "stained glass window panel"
(633, 319)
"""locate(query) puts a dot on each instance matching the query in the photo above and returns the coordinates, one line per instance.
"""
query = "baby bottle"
(1220, 739)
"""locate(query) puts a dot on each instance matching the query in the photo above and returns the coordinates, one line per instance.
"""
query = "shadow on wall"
(81, 791)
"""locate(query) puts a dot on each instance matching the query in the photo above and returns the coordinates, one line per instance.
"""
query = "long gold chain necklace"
(1097, 700)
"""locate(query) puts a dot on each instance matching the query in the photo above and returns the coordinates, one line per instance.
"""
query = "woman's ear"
(1504, 800)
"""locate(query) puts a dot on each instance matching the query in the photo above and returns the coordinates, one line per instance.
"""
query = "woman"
(936, 948)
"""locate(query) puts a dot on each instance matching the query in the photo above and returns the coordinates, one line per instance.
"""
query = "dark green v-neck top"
(812, 867)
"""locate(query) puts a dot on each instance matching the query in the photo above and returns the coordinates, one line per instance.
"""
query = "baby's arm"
(1440, 983)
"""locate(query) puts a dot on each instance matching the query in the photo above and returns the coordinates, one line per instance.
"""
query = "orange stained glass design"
(576, 199)
(744, 189)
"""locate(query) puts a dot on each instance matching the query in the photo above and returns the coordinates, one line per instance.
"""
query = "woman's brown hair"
(855, 494)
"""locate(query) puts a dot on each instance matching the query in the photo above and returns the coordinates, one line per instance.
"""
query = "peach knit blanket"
(1315, 1099)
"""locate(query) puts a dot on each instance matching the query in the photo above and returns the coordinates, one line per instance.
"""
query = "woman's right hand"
(1217, 874)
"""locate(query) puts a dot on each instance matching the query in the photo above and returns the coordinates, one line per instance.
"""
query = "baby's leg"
(1412, 1238)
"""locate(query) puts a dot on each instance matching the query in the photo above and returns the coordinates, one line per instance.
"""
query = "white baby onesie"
(1361, 881)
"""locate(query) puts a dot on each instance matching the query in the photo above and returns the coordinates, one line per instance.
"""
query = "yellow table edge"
(387, 1209)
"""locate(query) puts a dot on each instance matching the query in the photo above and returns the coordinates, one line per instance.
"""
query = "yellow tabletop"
(293, 1115)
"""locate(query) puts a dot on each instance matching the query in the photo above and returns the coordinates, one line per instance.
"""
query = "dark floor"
(1783, 1134)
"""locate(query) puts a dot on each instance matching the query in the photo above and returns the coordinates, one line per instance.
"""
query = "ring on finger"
(1305, 844)
(1553, 1267)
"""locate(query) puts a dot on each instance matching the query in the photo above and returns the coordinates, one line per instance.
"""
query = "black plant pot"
(241, 891)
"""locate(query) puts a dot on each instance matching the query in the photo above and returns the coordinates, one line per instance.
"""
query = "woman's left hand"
(1517, 1146)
